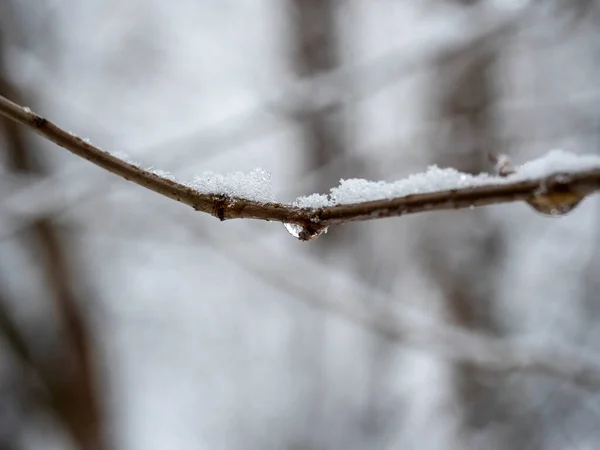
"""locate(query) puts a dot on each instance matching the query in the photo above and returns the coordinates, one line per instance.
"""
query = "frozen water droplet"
(87, 140)
(304, 233)
(27, 109)
(472, 207)
(293, 229)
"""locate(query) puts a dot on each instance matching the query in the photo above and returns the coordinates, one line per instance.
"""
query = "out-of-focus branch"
(12, 336)
(403, 326)
(556, 188)
(463, 99)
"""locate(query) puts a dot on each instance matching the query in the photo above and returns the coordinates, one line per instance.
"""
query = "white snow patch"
(255, 185)
(556, 161)
(312, 201)
(436, 179)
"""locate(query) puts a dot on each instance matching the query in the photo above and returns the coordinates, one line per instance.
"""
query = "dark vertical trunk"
(314, 52)
(463, 254)
(67, 371)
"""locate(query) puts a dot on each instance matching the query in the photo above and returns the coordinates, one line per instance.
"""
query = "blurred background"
(128, 321)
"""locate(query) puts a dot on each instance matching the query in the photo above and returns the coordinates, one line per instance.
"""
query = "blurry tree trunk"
(66, 369)
(463, 253)
(314, 52)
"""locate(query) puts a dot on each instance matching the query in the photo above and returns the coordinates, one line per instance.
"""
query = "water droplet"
(303, 233)
(27, 109)
(555, 204)
(472, 207)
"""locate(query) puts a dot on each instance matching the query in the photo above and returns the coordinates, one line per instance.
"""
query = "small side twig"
(223, 207)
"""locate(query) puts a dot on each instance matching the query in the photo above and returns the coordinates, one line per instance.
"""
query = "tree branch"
(557, 189)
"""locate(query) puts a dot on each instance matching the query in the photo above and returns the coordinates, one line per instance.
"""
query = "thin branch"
(557, 188)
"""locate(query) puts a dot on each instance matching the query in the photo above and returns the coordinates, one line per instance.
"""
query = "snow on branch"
(553, 185)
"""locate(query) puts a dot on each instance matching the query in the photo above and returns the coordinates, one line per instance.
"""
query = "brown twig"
(555, 186)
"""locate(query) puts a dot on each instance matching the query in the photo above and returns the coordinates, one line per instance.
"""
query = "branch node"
(38, 121)
(220, 203)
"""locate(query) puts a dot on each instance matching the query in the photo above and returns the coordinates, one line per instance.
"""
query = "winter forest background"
(128, 316)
